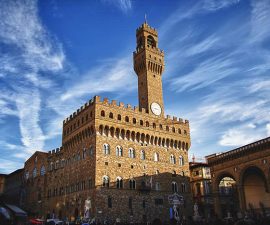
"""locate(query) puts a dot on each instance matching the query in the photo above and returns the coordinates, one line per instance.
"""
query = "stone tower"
(149, 65)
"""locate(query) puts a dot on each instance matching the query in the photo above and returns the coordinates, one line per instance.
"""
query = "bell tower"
(148, 62)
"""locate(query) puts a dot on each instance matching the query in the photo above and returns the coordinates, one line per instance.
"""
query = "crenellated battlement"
(151, 48)
(55, 151)
(147, 28)
(122, 106)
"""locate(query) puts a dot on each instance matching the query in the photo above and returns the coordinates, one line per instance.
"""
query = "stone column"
(241, 198)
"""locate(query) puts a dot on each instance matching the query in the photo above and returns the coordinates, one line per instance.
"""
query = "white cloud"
(268, 129)
(239, 136)
(124, 5)
(214, 5)
(115, 75)
(260, 20)
(32, 57)
(206, 73)
(6, 166)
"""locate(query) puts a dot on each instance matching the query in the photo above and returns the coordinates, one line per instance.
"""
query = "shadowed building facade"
(125, 160)
(240, 179)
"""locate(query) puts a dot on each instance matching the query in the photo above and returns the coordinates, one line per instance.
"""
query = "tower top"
(146, 28)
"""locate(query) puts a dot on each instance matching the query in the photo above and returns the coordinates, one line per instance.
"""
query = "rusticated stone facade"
(126, 160)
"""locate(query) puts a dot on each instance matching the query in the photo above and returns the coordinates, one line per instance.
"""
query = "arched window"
(167, 128)
(147, 124)
(151, 41)
(160, 126)
(181, 161)
(131, 153)
(102, 113)
(127, 119)
(57, 164)
(179, 131)
(154, 125)
(156, 157)
(51, 166)
(183, 188)
(34, 172)
(134, 121)
(174, 187)
(119, 182)
(106, 149)
(172, 159)
(142, 155)
(119, 151)
(42, 170)
(157, 186)
(111, 115)
(141, 122)
(119, 117)
(173, 130)
(132, 184)
(105, 181)
(26, 175)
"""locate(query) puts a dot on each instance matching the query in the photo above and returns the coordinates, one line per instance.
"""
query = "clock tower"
(148, 62)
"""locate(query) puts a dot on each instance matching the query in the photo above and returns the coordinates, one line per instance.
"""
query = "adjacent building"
(117, 161)
(240, 179)
(200, 182)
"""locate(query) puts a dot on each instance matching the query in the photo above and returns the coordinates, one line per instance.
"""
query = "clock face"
(156, 109)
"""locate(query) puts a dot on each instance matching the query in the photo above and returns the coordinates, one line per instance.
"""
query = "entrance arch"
(255, 188)
(228, 196)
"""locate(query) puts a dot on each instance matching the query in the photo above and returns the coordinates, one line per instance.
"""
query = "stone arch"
(100, 129)
(156, 140)
(111, 115)
(171, 143)
(142, 137)
(220, 176)
(128, 135)
(138, 136)
(133, 136)
(117, 133)
(147, 139)
(152, 140)
(106, 130)
(167, 143)
(163, 142)
(183, 145)
(179, 145)
(255, 187)
(102, 113)
(175, 144)
(123, 134)
(159, 141)
(112, 131)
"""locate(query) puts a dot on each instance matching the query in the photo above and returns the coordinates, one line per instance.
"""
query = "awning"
(18, 211)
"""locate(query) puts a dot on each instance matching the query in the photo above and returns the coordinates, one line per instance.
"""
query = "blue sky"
(56, 55)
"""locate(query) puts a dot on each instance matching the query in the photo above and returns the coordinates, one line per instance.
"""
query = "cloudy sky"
(56, 55)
